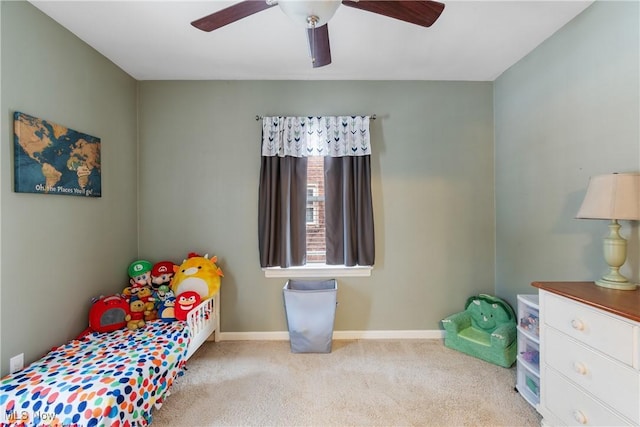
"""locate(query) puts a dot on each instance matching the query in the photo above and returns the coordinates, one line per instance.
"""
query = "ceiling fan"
(315, 14)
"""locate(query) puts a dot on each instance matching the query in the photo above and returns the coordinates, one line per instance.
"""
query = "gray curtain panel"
(349, 211)
(282, 211)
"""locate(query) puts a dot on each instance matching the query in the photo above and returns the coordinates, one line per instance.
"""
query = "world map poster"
(53, 159)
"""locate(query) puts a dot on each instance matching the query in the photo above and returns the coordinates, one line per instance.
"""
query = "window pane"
(316, 246)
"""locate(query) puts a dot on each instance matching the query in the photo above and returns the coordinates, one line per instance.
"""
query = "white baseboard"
(337, 335)
(254, 336)
(382, 335)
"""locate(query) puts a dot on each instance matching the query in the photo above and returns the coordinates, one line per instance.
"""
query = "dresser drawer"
(606, 333)
(610, 381)
(574, 407)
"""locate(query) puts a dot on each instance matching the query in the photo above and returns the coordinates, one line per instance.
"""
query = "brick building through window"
(316, 245)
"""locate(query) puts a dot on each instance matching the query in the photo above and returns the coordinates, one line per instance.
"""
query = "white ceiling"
(153, 40)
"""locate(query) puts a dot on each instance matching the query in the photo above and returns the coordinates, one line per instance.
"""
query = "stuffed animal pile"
(169, 291)
(143, 293)
(164, 290)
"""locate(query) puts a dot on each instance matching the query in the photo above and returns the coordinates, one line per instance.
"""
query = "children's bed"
(107, 379)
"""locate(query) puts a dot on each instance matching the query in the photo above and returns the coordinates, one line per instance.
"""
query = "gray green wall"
(432, 188)
(567, 111)
(59, 251)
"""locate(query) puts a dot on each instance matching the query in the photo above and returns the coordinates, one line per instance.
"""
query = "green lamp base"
(622, 286)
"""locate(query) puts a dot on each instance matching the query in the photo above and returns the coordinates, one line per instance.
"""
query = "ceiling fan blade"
(319, 46)
(423, 13)
(231, 14)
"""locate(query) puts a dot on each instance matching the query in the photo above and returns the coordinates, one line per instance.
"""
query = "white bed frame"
(204, 323)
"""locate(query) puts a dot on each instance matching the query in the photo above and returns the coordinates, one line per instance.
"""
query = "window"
(315, 209)
(312, 204)
(316, 244)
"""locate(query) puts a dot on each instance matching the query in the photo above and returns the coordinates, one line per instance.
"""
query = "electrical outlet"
(16, 363)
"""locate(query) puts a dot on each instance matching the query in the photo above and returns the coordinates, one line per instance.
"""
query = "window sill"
(318, 270)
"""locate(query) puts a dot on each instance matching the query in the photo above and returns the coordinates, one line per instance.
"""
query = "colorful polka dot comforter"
(103, 379)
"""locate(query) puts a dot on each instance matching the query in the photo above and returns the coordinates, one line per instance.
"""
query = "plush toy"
(140, 273)
(163, 300)
(486, 329)
(185, 302)
(199, 274)
(130, 291)
(145, 293)
(161, 294)
(166, 309)
(135, 318)
(487, 312)
(161, 274)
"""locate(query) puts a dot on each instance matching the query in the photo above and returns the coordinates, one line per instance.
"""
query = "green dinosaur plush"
(488, 312)
(485, 329)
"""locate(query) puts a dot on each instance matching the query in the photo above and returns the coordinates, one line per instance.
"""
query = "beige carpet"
(360, 383)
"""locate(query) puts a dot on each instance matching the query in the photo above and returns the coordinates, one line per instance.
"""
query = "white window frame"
(317, 271)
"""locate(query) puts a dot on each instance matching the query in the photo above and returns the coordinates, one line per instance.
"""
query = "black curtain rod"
(372, 117)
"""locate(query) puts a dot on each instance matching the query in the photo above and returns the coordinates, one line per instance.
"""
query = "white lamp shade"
(612, 196)
(300, 10)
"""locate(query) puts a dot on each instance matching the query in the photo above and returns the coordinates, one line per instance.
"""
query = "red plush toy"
(161, 274)
(185, 302)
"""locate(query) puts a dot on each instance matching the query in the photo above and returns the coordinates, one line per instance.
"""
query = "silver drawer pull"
(580, 368)
(577, 325)
(579, 417)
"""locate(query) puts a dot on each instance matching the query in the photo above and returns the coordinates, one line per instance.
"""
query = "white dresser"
(589, 355)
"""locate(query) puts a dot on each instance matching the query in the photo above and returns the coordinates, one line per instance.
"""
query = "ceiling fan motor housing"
(313, 13)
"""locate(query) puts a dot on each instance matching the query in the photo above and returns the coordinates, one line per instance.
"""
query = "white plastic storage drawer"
(528, 384)
(529, 353)
(528, 314)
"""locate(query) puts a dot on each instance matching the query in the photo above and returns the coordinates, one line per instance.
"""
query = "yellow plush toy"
(199, 274)
(135, 318)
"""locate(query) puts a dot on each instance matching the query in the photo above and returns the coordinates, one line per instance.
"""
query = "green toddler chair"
(486, 329)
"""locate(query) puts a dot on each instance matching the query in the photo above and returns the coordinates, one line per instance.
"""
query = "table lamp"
(614, 196)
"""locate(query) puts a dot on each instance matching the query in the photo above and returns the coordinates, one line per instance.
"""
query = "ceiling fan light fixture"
(315, 14)
(301, 10)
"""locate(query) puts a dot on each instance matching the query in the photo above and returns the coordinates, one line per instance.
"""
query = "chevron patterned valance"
(335, 136)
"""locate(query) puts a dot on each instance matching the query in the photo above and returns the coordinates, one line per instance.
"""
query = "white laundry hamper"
(310, 307)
